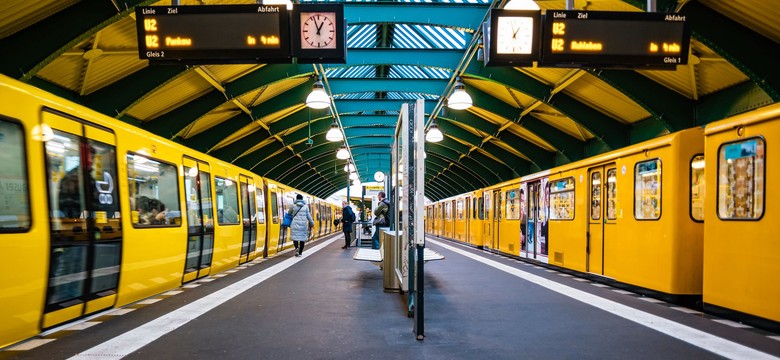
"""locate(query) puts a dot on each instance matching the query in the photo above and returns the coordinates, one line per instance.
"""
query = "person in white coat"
(302, 223)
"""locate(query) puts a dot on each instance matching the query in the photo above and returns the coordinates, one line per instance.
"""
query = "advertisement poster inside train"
(523, 217)
(544, 216)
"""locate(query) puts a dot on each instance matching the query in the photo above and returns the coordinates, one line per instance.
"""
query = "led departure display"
(614, 39)
(214, 34)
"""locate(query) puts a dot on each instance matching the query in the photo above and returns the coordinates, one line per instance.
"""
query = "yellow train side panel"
(152, 258)
(662, 254)
(567, 239)
(24, 265)
(459, 219)
(742, 257)
(476, 226)
(227, 237)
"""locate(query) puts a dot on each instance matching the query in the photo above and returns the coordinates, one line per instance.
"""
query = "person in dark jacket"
(380, 218)
(302, 223)
(347, 218)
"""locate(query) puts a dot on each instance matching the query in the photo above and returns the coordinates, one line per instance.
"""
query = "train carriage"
(628, 207)
(741, 256)
(97, 213)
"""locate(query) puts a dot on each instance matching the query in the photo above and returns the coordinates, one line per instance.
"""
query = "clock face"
(514, 35)
(318, 30)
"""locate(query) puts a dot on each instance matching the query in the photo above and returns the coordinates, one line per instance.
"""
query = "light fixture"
(42, 132)
(434, 134)
(318, 98)
(521, 5)
(334, 134)
(379, 176)
(353, 176)
(342, 154)
(460, 99)
(349, 167)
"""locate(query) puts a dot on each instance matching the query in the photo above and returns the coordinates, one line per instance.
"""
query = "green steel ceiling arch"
(613, 133)
(448, 178)
(206, 140)
(452, 176)
(484, 171)
(737, 44)
(117, 98)
(171, 123)
(57, 34)
(432, 193)
(238, 149)
(443, 190)
(566, 144)
(468, 175)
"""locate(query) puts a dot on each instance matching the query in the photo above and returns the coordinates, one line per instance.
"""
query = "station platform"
(324, 305)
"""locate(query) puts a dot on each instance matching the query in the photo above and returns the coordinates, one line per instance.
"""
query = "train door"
(249, 239)
(601, 181)
(479, 217)
(283, 200)
(259, 220)
(487, 234)
(467, 215)
(85, 225)
(274, 227)
(533, 217)
(200, 219)
(496, 235)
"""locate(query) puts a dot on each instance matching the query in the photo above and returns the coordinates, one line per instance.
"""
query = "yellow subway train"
(642, 217)
(95, 213)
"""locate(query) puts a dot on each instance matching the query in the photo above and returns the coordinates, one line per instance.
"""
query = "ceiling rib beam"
(59, 33)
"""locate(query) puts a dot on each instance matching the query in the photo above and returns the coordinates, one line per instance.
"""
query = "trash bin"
(389, 239)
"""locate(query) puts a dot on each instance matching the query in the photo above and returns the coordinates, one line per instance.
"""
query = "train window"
(697, 188)
(227, 201)
(513, 204)
(595, 195)
(153, 187)
(474, 208)
(260, 201)
(741, 185)
(459, 209)
(562, 199)
(274, 208)
(481, 205)
(647, 190)
(612, 194)
(14, 190)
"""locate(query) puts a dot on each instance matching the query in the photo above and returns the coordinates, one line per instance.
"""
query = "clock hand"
(319, 27)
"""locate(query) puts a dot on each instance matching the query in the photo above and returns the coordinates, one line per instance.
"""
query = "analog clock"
(514, 35)
(318, 30)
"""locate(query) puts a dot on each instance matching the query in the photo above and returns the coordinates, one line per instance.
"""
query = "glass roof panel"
(352, 72)
(416, 72)
(361, 36)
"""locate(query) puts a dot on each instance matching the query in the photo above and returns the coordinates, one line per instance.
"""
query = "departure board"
(614, 39)
(213, 34)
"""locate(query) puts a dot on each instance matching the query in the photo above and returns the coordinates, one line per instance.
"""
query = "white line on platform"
(708, 342)
(133, 340)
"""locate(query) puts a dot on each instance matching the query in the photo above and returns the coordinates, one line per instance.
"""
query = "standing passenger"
(347, 218)
(302, 223)
(380, 218)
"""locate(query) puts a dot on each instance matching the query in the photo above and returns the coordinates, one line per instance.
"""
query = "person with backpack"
(347, 218)
(380, 218)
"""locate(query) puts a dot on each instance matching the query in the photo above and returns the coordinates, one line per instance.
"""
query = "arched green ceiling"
(456, 164)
